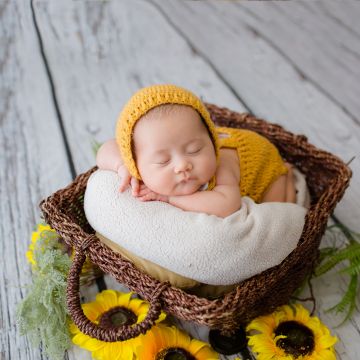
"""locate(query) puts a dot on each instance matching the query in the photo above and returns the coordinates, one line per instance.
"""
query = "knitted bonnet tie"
(143, 101)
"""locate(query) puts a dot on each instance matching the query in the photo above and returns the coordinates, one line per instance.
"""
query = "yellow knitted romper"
(260, 161)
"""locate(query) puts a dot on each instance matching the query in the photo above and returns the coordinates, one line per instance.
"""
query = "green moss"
(42, 315)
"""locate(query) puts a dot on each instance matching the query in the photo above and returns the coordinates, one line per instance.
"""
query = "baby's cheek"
(209, 166)
(154, 181)
(163, 181)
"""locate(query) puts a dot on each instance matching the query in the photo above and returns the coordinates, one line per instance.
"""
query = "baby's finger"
(135, 186)
(124, 182)
(144, 191)
(143, 198)
(147, 197)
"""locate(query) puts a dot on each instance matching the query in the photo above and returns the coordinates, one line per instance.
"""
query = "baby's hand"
(145, 194)
(126, 179)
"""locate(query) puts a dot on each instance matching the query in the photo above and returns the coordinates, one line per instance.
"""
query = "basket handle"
(86, 326)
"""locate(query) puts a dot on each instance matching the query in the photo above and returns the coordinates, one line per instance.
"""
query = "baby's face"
(174, 152)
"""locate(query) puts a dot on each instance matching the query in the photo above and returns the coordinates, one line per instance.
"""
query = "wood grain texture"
(33, 162)
(250, 46)
(240, 55)
(315, 43)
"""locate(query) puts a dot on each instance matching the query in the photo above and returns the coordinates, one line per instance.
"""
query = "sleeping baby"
(168, 149)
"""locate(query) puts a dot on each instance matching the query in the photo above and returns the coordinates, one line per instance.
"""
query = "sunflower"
(45, 237)
(44, 232)
(112, 309)
(163, 342)
(291, 333)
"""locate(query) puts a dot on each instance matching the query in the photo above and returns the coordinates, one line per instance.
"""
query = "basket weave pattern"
(327, 178)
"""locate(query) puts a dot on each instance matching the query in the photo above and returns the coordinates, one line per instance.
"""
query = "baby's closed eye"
(194, 151)
(162, 162)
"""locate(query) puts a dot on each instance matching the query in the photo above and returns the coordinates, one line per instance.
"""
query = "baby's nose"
(183, 165)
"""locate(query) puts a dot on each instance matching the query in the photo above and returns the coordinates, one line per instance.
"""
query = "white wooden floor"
(67, 68)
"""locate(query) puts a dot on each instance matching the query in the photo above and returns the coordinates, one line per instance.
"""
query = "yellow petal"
(34, 237)
(325, 342)
(206, 353)
(115, 351)
(42, 227)
(162, 317)
(138, 306)
(124, 299)
(287, 312)
(93, 311)
(196, 346)
(73, 328)
(264, 325)
(202, 350)
(86, 342)
(302, 315)
(108, 299)
(30, 258)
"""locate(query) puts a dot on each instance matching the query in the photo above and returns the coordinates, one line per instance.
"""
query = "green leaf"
(348, 301)
(332, 256)
(353, 269)
(95, 145)
(348, 253)
(327, 252)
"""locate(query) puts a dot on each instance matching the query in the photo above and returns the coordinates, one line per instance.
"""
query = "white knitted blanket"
(202, 247)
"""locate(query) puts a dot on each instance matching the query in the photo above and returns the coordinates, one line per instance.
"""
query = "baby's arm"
(222, 201)
(108, 157)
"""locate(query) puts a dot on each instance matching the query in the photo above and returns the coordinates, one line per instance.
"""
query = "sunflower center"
(116, 317)
(299, 339)
(174, 354)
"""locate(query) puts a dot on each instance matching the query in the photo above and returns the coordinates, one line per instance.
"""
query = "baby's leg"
(290, 185)
(282, 189)
(276, 191)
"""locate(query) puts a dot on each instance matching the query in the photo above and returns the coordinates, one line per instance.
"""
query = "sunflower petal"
(93, 310)
(124, 299)
(108, 299)
(86, 342)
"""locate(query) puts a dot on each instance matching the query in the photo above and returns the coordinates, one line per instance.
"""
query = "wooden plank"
(346, 16)
(99, 54)
(268, 83)
(33, 160)
(325, 51)
(34, 163)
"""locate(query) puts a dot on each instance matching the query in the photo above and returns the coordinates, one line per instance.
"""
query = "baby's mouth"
(186, 179)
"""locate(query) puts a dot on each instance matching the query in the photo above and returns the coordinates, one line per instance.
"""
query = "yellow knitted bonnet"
(146, 99)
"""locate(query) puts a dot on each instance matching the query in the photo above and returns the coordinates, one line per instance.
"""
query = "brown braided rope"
(327, 177)
(107, 334)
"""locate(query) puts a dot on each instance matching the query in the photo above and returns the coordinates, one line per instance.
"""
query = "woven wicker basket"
(327, 178)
